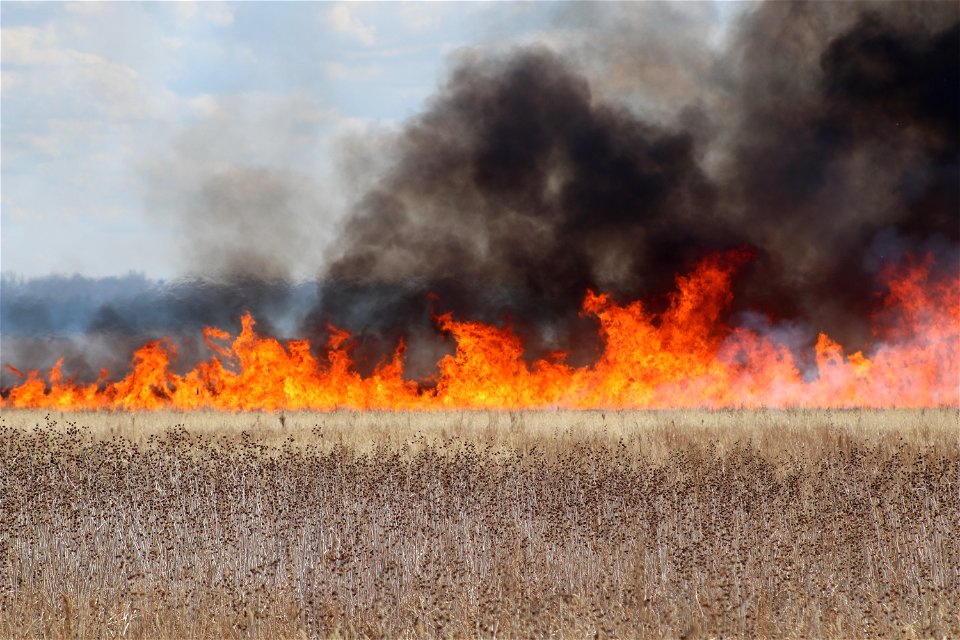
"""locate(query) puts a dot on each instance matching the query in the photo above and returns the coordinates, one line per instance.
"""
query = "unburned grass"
(567, 524)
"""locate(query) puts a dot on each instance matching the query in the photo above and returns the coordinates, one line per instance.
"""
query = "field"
(686, 524)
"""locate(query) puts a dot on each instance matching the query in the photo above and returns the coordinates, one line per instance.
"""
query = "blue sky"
(114, 114)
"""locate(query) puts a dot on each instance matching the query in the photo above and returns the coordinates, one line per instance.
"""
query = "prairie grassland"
(830, 524)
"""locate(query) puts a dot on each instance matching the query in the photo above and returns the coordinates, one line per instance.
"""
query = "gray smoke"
(96, 323)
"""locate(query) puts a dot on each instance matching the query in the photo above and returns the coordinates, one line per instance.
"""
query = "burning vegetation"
(685, 356)
(784, 233)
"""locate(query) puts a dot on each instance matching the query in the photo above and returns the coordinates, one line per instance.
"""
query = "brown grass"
(630, 524)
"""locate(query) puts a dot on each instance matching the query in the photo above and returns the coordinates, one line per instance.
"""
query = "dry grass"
(669, 524)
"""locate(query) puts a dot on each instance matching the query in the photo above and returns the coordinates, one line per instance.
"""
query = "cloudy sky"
(115, 116)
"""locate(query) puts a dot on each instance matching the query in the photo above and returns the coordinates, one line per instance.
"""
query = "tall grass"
(659, 524)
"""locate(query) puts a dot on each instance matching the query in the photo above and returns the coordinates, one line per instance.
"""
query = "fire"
(685, 356)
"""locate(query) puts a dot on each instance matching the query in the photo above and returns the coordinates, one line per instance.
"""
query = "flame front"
(685, 356)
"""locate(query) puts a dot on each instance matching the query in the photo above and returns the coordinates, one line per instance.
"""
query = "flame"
(685, 356)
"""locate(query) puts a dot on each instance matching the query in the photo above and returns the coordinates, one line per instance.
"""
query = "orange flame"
(683, 357)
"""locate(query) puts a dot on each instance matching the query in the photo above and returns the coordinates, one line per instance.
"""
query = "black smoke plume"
(518, 188)
(843, 153)
(515, 193)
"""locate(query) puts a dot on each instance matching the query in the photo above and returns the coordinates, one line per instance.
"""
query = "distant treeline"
(60, 305)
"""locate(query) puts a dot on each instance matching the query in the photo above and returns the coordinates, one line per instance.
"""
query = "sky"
(115, 115)
(106, 108)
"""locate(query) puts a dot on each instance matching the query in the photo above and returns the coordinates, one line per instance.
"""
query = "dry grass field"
(826, 524)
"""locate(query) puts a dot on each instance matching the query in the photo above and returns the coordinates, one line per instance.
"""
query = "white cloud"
(34, 46)
(30, 46)
(112, 88)
(418, 16)
(345, 21)
(216, 13)
(89, 8)
(205, 105)
(173, 43)
(48, 145)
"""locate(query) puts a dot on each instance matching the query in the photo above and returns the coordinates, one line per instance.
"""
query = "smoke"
(514, 193)
(826, 139)
(244, 190)
(238, 204)
(610, 153)
(99, 323)
(840, 143)
(661, 60)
